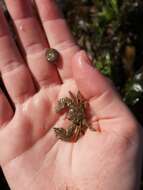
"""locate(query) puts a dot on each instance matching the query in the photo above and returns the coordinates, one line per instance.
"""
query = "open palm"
(31, 156)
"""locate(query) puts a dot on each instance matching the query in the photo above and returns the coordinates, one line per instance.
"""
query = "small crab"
(76, 113)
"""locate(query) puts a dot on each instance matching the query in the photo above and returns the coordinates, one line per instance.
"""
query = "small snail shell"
(52, 55)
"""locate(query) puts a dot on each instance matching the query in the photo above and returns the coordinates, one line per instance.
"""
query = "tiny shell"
(52, 55)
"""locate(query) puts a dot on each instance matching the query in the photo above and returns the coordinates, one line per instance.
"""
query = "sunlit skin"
(31, 156)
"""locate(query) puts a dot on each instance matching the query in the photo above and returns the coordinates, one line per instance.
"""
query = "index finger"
(58, 34)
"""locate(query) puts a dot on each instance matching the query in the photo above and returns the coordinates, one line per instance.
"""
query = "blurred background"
(112, 33)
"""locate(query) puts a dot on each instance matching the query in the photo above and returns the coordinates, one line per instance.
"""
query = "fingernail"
(85, 59)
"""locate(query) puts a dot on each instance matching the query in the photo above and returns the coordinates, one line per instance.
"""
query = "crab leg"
(65, 135)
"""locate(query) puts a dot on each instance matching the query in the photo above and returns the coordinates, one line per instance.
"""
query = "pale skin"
(31, 156)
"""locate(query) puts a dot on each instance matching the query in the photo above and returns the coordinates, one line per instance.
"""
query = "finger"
(6, 111)
(108, 113)
(86, 75)
(97, 89)
(15, 74)
(58, 34)
(33, 40)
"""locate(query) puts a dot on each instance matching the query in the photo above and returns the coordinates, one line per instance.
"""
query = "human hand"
(31, 156)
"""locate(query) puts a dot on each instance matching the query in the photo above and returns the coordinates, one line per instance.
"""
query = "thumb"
(90, 81)
(105, 102)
